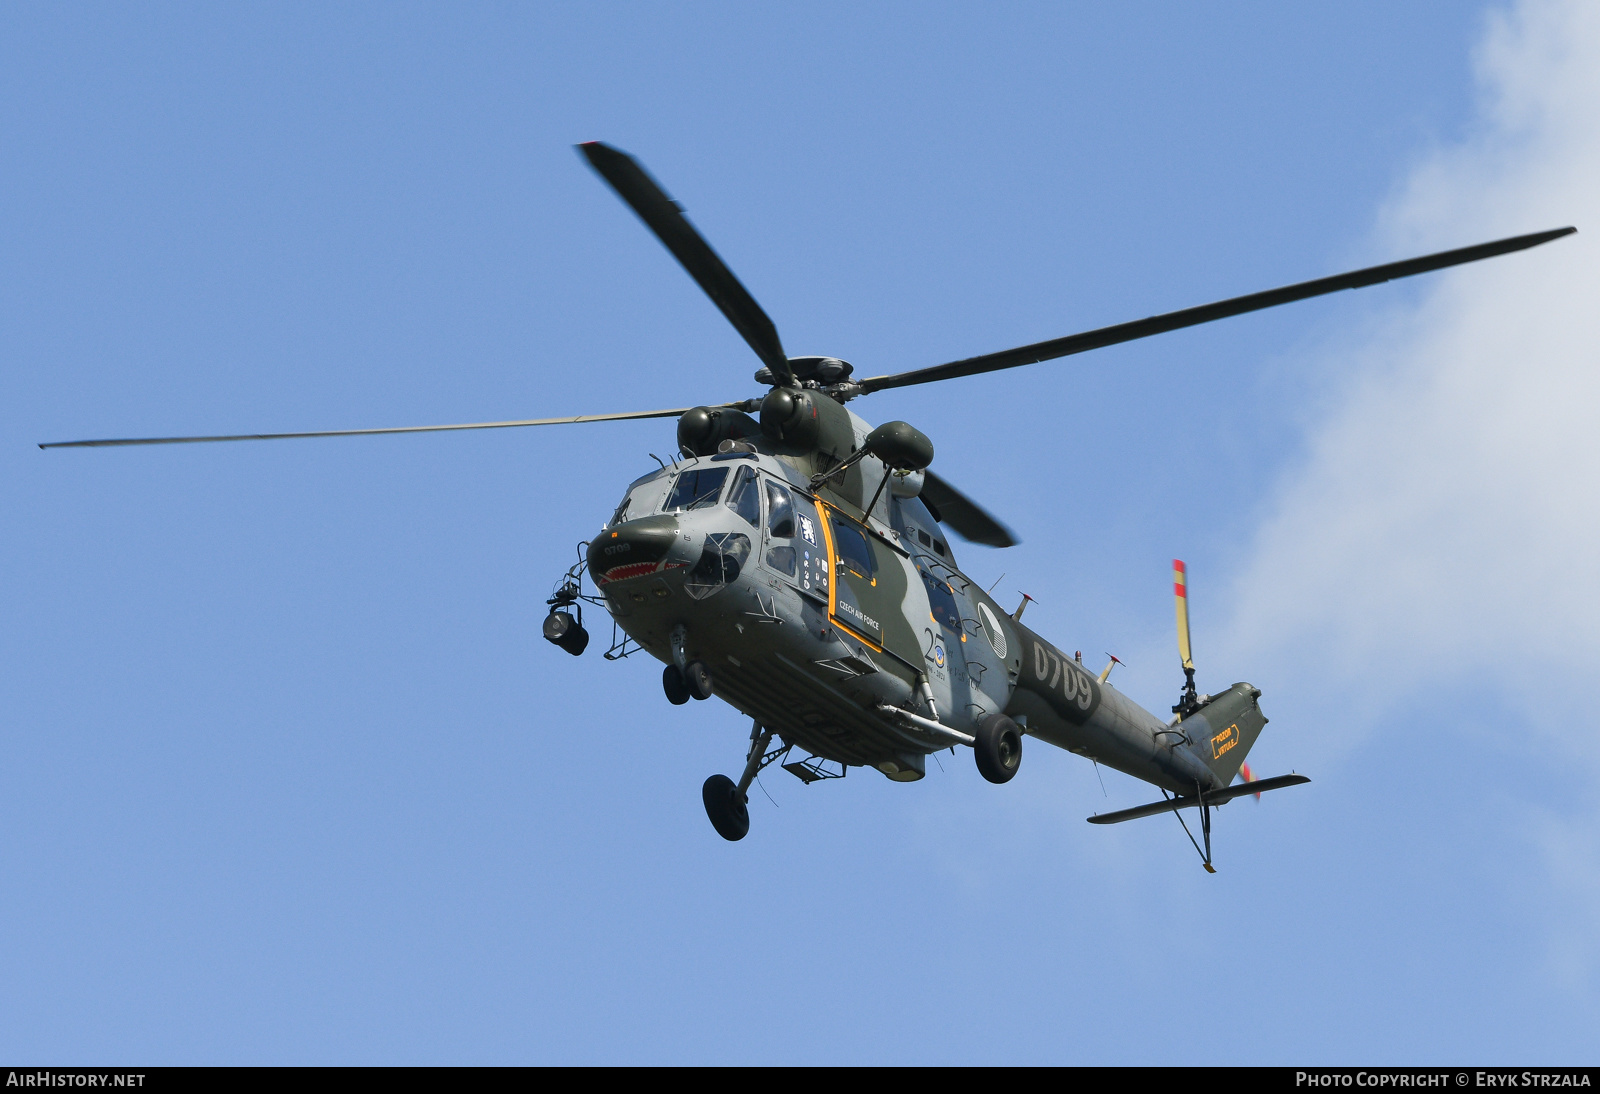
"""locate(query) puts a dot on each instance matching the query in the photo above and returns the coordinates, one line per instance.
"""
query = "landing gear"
(725, 805)
(694, 676)
(727, 802)
(697, 675)
(681, 685)
(998, 748)
(1205, 822)
(673, 684)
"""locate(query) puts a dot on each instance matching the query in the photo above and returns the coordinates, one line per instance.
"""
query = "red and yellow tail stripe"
(1180, 590)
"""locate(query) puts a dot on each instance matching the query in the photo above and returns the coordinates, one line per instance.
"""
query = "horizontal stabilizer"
(1215, 797)
(1239, 790)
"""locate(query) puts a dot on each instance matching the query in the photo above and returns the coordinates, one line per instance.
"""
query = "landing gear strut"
(727, 803)
(1205, 826)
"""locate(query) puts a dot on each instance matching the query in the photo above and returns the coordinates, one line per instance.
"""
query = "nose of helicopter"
(632, 549)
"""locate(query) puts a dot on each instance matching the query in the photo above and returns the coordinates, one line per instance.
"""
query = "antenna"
(1111, 664)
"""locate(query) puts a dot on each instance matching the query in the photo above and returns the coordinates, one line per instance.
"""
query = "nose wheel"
(697, 675)
(693, 681)
(673, 683)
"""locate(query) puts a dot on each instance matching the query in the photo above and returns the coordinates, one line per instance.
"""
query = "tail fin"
(1233, 721)
(1221, 728)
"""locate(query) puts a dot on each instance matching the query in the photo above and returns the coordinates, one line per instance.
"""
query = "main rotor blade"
(663, 216)
(966, 516)
(113, 443)
(1206, 313)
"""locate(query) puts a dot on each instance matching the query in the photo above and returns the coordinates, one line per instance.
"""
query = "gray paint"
(777, 655)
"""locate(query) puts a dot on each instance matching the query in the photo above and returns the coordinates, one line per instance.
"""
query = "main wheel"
(726, 808)
(698, 676)
(672, 683)
(998, 748)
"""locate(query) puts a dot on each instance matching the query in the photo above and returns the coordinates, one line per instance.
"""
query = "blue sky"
(291, 777)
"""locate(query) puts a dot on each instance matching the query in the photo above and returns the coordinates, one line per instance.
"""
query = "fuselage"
(818, 605)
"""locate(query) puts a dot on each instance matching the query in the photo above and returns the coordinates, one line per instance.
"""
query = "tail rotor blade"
(1180, 589)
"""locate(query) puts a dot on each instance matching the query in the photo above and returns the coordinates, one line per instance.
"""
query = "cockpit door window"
(855, 553)
(781, 555)
(859, 605)
(796, 544)
(745, 496)
(780, 511)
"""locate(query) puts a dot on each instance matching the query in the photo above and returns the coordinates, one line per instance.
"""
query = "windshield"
(696, 488)
(643, 495)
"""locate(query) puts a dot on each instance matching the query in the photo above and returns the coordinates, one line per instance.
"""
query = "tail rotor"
(1248, 777)
(1189, 701)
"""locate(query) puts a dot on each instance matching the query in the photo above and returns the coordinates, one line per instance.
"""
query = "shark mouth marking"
(636, 569)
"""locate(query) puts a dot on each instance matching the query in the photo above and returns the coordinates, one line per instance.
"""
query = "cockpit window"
(745, 497)
(696, 488)
(644, 494)
(852, 548)
(780, 511)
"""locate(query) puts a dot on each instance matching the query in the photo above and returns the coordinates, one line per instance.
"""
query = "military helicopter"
(792, 560)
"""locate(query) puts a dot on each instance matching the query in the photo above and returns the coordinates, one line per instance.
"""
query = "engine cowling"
(703, 429)
(800, 421)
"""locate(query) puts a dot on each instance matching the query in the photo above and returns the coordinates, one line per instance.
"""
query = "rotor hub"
(811, 371)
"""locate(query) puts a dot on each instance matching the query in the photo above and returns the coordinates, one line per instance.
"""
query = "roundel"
(938, 652)
(993, 631)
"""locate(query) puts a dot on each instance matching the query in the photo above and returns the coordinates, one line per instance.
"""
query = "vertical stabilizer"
(1223, 731)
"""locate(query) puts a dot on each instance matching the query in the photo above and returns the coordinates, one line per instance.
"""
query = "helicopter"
(793, 560)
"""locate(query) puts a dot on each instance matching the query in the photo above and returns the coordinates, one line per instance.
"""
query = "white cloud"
(1445, 524)
(1446, 518)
